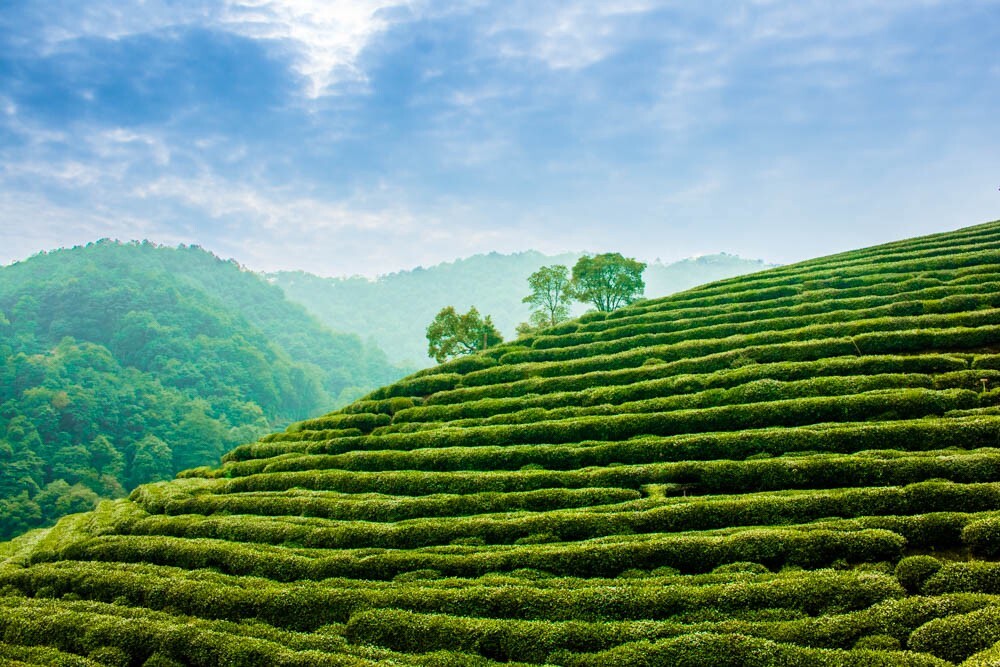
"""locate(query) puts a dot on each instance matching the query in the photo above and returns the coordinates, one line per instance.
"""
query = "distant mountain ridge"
(398, 306)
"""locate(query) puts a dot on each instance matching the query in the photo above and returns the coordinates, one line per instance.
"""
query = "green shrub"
(955, 638)
(983, 537)
(878, 643)
(913, 571)
(734, 650)
(958, 577)
(749, 567)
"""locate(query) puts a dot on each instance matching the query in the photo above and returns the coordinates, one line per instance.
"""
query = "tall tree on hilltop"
(608, 281)
(550, 295)
(452, 335)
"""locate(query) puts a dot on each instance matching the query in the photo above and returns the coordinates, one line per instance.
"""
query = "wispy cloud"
(326, 36)
(323, 38)
(368, 135)
(570, 35)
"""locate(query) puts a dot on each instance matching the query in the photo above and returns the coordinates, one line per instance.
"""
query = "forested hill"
(124, 363)
(399, 306)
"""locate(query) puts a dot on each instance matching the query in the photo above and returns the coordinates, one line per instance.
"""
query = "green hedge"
(958, 637)
(983, 538)
(832, 305)
(735, 650)
(571, 525)
(889, 623)
(649, 381)
(957, 577)
(988, 658)
(910, 435)
(776, 330)
(424, 385)
(772, 547)
(380, 507)
(849, 293)
(305, 605)
(365, 421)
(310, 434)
(569, 405)
(85, 628)
(723, 338)
(13, 656)
(757, 391)
(891, 404)
(720, 476)
(703, 357)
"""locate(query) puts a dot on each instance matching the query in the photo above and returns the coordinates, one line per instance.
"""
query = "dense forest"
(398, 306)
(125, 363)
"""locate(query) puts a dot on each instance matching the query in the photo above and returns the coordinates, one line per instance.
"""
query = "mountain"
(125, 363)
(793, 467)
(399, 306)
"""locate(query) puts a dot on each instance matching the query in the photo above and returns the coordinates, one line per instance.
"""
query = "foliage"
(608, 281)
(550, 297)
(398, 304)
(125, 363)
(452, 335)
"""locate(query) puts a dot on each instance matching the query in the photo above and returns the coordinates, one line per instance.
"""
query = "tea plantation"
(795, 467)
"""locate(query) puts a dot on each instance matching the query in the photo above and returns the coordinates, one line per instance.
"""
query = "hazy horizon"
(366, 137)
(373, 277)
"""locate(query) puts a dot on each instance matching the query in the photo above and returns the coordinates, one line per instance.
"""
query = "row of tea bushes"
(379, 507)
(707, 513)
(893, 404)
(650, 381)
(217, 596)
(815, 297)
(735, 650)
(939, 298)
(127, 636)
(720, 337)
(973, 431)
(757, 391)
(610, 556)
(566, 405)
(505, 639)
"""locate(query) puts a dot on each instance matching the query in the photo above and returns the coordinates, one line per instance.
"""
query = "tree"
(550, 295)
(609, 281)
(152, 462)
(452, 335)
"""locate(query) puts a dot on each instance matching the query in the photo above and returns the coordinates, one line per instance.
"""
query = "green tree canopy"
(550, 295)
(608, 281)
(452, 335)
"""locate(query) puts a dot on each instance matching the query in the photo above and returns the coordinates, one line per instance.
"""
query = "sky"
(368, 136)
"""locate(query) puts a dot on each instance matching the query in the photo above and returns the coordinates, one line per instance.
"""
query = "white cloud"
(571, 35)
(327, 35)
(324, 37)
(272, 208)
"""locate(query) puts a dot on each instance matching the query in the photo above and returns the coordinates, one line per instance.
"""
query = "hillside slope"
(796, 467)
(124, 363)
(399, 306)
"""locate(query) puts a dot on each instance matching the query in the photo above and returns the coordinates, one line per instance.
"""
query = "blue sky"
(366, 136)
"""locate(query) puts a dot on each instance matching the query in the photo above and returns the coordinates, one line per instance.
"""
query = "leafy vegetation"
(607, 281)
(795, 467)
(452, 335)
(124, 364)
(399, 305)
(549, 299)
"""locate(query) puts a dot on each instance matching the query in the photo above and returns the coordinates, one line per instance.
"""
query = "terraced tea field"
(796, 467)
